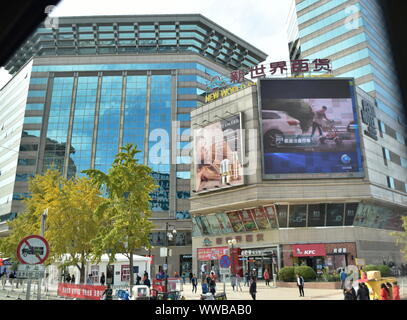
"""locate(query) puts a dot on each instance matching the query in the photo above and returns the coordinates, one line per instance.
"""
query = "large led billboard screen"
(218, 155)
(309, 128)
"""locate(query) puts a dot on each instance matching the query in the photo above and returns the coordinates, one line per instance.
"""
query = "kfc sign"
(308, 250)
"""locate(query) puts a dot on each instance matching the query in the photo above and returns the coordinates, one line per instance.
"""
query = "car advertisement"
(218, 155)
(309, 127)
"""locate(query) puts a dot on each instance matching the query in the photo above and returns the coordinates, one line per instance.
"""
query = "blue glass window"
(36, 93)
(184, 117)
(58, 122)
(31, 120)
(109, 122)
(31, 133)
(184, 174)
(38, 80)
(320, 10)
(27, 162)
(135, 113)
(187, 104)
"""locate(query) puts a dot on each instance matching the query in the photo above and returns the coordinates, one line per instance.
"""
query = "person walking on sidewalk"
(396, 291)
(363, 292)
(343, 276)
(300, 284)
(384, 292)
(233, 281)
(194, 281)
(253, 288)
(247, 278)
(238, 281)
(266, 277)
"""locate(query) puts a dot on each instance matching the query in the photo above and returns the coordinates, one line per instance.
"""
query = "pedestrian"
(147, 282)
(108, 293)
(194, 281)
(73, 278)
(362, 293)
(343, 276)
(238, 281)
(266, 277)
(102, 279)
(347, 293)
(138, 279)
(300, 284)
(384, 292)
(184, 276)
(89, 279)
(212, 286)
(190, 276)
(253, 288)
(68, 278)
(145, 273)
(246, 278)
(390, 287)
(396, 291)
(205, 288)
(233, 281)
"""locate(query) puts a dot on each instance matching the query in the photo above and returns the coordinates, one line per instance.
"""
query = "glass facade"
(109, 122)
(362, 45)
(58, 123)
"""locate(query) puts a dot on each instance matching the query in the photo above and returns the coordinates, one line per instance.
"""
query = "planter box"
(311, 285)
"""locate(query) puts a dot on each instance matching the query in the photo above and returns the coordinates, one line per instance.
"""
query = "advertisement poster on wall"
(218, 155)
(196, 232)
(203, 225)
(309, 127)
(260, 215)
(272, 216)
(247, 218)
(214, 223)
(224, 222)
(235, 221)
(373, 216)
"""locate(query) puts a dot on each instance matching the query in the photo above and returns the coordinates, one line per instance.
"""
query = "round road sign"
(33, 250)
(224, 261)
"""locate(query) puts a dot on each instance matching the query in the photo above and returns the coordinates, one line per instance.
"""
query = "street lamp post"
(168, 236)
(231, 242)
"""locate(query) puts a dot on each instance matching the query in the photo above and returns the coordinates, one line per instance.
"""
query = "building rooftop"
(138, 34)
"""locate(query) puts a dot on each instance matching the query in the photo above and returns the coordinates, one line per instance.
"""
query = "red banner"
(308, 250)
(81, 291)
(207, 254)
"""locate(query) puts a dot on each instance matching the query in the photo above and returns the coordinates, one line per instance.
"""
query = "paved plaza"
(263, 293)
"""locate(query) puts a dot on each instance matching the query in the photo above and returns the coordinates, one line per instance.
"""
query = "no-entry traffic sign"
(33, 250)
(224, 261)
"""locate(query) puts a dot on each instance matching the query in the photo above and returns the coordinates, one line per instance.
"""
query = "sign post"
(32, 250)
(224, 263)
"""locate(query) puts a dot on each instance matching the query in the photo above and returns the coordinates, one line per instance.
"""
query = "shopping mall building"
(290, 197)
(84, 86)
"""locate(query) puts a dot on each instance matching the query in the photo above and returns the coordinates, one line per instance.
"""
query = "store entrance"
(316, 263)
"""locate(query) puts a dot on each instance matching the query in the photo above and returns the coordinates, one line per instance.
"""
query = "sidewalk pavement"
(267, 293)
(263, 293)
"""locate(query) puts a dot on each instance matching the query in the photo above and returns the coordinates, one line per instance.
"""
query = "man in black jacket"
(253, 288)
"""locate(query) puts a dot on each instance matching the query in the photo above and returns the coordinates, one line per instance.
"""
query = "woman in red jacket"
(396, 291)
(384, 292)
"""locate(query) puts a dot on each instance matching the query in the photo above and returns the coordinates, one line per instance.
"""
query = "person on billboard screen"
(318, 120)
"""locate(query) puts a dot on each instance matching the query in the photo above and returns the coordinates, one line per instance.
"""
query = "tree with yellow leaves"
(125, 211)
(71, 222)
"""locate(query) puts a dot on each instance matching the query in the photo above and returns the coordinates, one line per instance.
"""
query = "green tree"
(71, 222)
(125, 211)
